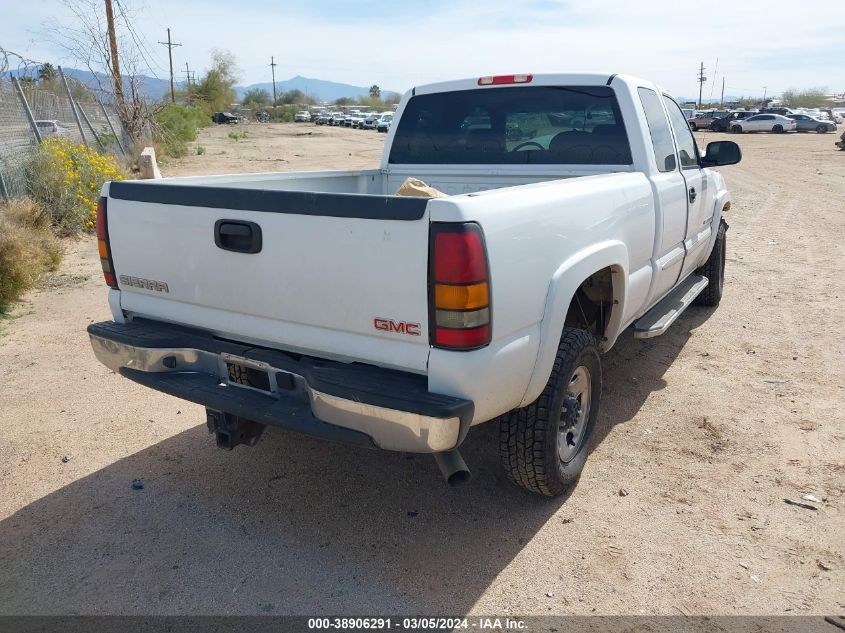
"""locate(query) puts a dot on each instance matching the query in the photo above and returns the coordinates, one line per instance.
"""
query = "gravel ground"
(703, 434)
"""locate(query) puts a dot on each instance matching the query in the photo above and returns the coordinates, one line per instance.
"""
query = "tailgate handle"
(237, 236)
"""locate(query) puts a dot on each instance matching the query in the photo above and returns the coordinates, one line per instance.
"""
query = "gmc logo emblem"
(400, 327)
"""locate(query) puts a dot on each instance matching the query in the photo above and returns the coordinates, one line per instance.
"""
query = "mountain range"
(155, 89)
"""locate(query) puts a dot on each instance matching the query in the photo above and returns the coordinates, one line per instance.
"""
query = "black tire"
(777, 129)
(714, 270)
(529, 437)
(693, 127)
(736, 129)
(821, 129)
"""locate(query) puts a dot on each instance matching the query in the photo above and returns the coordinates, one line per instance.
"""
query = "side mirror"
(721, 153)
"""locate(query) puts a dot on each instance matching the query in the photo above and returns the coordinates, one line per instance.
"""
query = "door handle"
(692, 194)
(237, 236)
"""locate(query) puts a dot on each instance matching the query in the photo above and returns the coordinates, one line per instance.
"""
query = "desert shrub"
(284, 114)
(237, 136)
(200, 150)
(28, 248)
(178, 126)
(65, 178)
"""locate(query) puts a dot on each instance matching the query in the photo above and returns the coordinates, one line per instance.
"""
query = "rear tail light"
(459, 280)
(103, 243)
(498, 80)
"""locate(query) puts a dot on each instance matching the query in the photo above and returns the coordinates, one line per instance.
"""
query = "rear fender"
(564, 283)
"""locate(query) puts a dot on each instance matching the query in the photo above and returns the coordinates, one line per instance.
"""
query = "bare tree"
(85, 42)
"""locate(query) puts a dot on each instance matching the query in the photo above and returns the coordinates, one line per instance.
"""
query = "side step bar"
(657, 320)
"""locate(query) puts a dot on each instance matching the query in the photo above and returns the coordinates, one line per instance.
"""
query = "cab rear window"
(545, 125)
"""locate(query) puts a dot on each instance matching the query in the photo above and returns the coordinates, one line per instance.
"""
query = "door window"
(687, 150)
(658, 127)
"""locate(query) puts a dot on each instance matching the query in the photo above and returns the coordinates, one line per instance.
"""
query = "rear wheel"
(543, 446)
(777, 129)
(714, 270)
(693, 127)
(736, 129)
(821, 129)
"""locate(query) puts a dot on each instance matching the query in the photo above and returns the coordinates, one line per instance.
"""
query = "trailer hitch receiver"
(231, 430)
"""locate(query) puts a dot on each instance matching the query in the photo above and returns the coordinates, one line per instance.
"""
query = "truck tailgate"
(329, 267)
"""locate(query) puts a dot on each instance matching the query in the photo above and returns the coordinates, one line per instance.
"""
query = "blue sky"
(400, 44)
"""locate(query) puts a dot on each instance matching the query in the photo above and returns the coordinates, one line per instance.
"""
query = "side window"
(687, 150)
(658, 127)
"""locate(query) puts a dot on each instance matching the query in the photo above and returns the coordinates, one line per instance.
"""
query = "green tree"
(215, 90)
(809, 98)
(375, 91)
(344, 101)
(291, 96)
(47, 73)
(256, 98)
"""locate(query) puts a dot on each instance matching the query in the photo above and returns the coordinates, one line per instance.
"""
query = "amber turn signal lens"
(103, 248)
(447, 297)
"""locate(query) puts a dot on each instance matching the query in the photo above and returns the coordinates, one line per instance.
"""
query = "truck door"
(700, 204)
(670, 197)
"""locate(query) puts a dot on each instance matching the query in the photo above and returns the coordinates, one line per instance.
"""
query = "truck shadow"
(292, 526)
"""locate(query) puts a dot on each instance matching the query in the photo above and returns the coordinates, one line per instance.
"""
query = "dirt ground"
(703, 434)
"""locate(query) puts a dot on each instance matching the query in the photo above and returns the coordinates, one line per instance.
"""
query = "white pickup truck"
(575, 206)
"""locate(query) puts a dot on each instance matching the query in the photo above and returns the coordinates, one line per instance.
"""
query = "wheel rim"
(573, 422)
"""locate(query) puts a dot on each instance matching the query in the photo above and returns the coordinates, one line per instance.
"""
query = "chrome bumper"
(389, 428)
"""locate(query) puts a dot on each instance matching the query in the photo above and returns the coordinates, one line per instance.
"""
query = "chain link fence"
(17, 142)
(54, 113)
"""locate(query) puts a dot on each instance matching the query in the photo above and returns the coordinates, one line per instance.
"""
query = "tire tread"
(523, 441)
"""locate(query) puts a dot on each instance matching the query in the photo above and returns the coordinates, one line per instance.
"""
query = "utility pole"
(764, 96)
(115, 66)
(170, 46)
(701, 80)
(188, 73)
(273, 70)
(722, 100)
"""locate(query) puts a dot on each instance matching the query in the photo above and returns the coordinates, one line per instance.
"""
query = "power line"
(170, 45)
(140, 43)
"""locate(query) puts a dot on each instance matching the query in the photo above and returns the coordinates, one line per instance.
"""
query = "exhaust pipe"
(453, 467)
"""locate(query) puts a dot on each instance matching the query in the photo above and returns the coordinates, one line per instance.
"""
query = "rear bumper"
(347, 402)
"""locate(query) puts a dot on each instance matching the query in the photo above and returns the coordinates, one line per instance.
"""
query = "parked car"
(224, 117)
(322, 118)
(337, 118)
(352, 118)
(384, 122)
(779, 110)
(50, 127)
(702, 120)
(370, 121)
(723, 124)
(367, 319)
(303, 116)
(764, 123)
(806, 123)
(262, 116)
(833, 115)
(357, 120)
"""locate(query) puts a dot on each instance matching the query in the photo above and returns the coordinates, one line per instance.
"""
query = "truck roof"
(538, 79)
